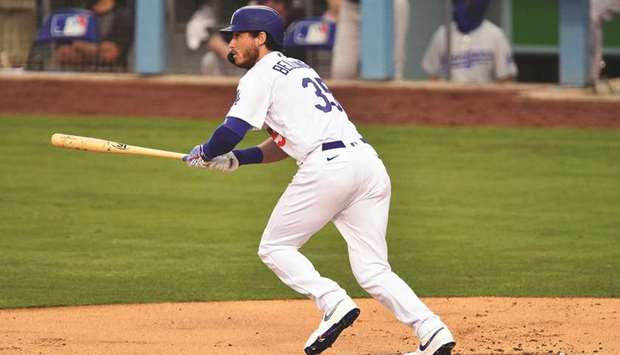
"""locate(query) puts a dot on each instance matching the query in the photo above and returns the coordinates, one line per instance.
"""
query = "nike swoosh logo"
(331, 313)
(332, 158)
(423, 347)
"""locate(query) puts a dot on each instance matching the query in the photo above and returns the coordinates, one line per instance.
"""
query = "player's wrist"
(203, 152)
(253, 155)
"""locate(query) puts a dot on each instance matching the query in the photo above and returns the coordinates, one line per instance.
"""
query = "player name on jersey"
(285, 66)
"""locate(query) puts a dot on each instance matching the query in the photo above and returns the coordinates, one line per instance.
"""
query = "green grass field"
(475, 211)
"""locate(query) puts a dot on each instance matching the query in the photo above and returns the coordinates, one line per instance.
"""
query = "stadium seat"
(61, 27)
(311, 33)
(315, 36)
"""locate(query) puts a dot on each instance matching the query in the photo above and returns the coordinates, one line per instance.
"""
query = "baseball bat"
(90, 144)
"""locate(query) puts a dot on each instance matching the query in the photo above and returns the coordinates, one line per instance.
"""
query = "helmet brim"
(227, 33)
(228, 29)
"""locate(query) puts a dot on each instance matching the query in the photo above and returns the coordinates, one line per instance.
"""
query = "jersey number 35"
(322, 92)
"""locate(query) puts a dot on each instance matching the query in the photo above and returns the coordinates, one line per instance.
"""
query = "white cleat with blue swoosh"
(341, 316)
(435, 338)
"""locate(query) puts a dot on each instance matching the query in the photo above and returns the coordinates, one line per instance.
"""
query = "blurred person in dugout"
(116, 28)
(346, 53)
(480, 50)
(203, 28)
(601, 11)
(332, 11)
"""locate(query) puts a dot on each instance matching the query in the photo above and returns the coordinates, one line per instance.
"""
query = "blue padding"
(574, 42)
(377, 39)
(151, 46)
(67, 25)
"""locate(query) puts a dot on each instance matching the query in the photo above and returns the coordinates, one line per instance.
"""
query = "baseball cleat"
(333, 323)
(435, 338)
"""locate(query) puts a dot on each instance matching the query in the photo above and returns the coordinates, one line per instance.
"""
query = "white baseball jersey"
(340, 179)
(289, 99)
(483, 55)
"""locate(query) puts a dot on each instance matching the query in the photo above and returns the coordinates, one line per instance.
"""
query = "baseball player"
(601, 11)
(480, 51)
(340, 179)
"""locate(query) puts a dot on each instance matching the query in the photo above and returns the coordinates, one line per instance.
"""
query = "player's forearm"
(222, 141)
(109, 52)
(224, 138)
(86, 49)
(266, 152)
(271, 151)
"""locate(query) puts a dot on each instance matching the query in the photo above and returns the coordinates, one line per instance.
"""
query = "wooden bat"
(90, 144)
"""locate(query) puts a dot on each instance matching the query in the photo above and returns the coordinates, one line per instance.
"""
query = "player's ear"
(262, 38)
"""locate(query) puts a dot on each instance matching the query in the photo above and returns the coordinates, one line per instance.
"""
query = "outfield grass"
(506, 212)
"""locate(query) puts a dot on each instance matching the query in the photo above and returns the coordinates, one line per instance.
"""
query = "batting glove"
(196, 158)
(226, 162)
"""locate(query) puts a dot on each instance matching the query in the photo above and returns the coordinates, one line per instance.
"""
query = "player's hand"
(226, 162)
(196, 159)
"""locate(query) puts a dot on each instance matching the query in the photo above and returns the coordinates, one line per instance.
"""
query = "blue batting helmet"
(257, 18)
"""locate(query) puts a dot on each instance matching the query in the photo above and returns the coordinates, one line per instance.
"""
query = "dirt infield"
(375, 102)
(480, 325)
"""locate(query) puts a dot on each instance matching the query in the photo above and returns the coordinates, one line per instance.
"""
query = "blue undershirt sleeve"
(225, 137)
(237, 125)
(251, 155)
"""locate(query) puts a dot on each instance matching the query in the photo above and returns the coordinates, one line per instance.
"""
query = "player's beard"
(250, 55)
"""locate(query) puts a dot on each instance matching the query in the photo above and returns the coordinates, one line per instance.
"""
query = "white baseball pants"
(350, 187)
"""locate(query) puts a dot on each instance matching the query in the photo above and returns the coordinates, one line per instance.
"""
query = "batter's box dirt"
(510, 326)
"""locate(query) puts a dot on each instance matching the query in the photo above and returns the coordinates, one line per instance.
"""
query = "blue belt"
(336, 144)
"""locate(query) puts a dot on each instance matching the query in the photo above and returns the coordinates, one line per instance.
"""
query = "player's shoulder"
(259, 74)
(263, 70)
(281, 65)
(489, 27)
(438, 37)
(439, 32)
(272, 68)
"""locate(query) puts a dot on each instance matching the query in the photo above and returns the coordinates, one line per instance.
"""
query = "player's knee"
(263, 252)
(370, 277)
